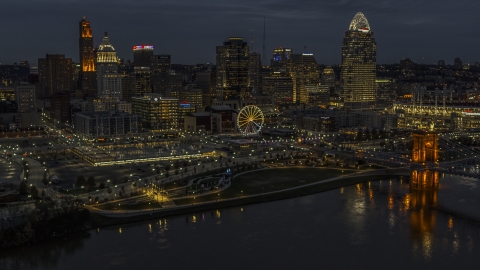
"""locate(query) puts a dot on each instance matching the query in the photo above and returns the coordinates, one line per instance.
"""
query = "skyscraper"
(54, 75)
(206, 81)
(160, 64)
(109, 80)
(142, 55)
(303, 69)
(359, 57)
(88, 76)
(232, 69)
(281, 58)
(254, 72)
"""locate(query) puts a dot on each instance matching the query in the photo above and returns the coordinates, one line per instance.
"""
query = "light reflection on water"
(370, 225)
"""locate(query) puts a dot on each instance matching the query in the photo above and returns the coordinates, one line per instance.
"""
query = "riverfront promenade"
(327, 184)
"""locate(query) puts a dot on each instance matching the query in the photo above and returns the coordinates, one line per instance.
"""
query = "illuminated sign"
(184, 104)
(140, 47)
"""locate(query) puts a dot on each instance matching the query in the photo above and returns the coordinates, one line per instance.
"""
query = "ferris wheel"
(250, 120)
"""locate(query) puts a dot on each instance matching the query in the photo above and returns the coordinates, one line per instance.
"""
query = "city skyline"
(402, 30)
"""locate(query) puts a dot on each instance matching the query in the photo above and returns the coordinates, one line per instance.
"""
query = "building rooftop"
(221, 107)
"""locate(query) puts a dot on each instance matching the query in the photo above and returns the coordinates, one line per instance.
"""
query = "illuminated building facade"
(254, 72)
(95, 125)
(281, 59)
(88, 76)
(160, 64)
(359, 57)
(328, 76)
(304, 72)
(207, 82)
(232, 69)
(54, 75)
(279, 85)
(425, 147)
(25, 97)
(158, 113)
(109, 80)
(142, 55)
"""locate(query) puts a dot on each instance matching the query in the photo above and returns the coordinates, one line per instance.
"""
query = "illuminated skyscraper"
(160, 64)
(232, 69)
(328, 76)
(109, 80)
(54, 75)
(359, 57)
(142, 55)
(254, 72)
(303, 69)
(88, 76)
(281, 59)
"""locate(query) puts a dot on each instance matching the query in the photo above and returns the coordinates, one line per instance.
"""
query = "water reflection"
(45, 256)
(364, 226)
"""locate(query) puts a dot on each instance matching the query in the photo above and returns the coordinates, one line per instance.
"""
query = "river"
(374, 225)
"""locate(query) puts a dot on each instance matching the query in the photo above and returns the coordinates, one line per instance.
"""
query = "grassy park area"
(125, 206)
(262, 181)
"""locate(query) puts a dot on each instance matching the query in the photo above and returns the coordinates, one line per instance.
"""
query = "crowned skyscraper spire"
(359, 22)
(86, 46)
(109, 80)
(88, 76)
(359, 57)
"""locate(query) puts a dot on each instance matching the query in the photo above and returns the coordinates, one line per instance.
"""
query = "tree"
(90, 183)
(101, 185)
(80, 181)
(167, 168)
(34, 192)
(23, 188)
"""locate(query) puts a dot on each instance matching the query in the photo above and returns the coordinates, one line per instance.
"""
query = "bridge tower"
(424, 152)
(425, 147)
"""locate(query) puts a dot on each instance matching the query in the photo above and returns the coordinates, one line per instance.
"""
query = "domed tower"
(109, 79)
(359, 59)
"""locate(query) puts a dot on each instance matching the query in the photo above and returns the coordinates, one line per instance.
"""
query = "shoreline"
(314, 188)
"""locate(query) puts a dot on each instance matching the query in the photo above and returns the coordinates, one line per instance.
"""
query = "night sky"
(189, 30)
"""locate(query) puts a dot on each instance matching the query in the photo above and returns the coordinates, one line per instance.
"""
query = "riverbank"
(99, 220)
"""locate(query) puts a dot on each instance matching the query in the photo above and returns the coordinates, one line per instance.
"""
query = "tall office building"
(109, 80)
(88, 76)
(359, 57)
(206, 81)
(279, 85)
(158, 113)
(303, 69)
(328, 76)
(142, 81)
(25, 97)
(54, 75)
(160, 64)
(232, 69)
(142, 55)
(255, 72)
(281, 58)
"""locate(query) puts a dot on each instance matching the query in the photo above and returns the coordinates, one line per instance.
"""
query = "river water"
(374, 225)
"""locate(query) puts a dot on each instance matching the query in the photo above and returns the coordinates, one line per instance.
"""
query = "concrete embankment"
(118, 217)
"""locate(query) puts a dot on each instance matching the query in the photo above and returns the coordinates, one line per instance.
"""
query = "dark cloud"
(190, 29)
